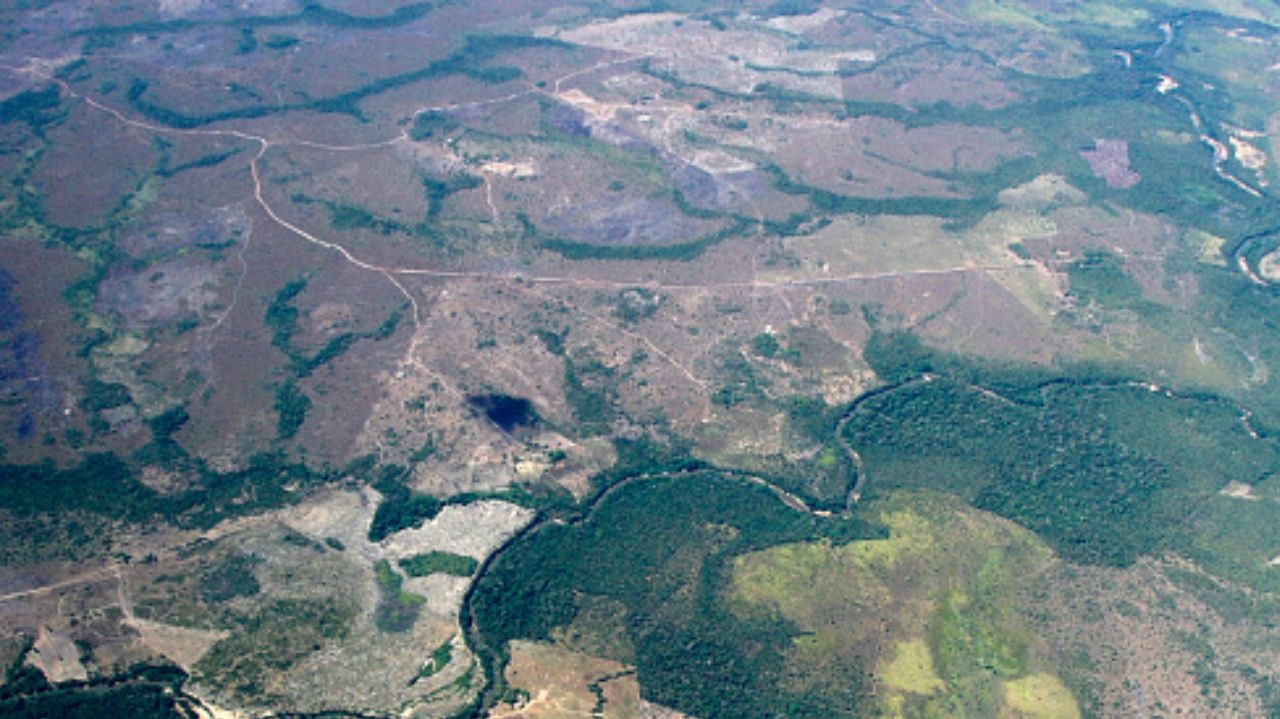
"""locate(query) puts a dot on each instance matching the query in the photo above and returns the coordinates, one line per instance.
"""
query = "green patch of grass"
(439, 659)
(422, 565)
(911, 669)
(943, 566)
(1041, 696)
(397, 610)
(1099, 277)
(273, 638)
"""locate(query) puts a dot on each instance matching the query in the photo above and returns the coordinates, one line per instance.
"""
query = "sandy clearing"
(1239, 490)
(183, 646)
(472, 530)
(57, 656)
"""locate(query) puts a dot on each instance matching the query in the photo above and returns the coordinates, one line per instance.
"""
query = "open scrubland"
(795, 358)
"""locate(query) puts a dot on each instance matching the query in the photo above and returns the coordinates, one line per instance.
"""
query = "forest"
(657, 548)
(1104, 469)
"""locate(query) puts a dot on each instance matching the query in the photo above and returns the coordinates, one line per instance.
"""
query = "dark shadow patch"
(509, 413)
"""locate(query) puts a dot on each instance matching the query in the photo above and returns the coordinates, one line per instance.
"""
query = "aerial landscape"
(532, 359)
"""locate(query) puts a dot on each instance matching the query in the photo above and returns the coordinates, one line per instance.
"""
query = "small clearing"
(1109, 160)
(562, 683)
(1239, 490)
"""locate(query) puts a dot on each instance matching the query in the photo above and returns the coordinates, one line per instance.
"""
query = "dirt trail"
(95, 575)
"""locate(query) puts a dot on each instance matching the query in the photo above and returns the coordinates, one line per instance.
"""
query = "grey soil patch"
(1110, 161)
(181, 289)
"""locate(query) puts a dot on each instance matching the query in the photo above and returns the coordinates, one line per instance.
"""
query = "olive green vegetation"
(439, 659)
(20, 677)
(281, 317)
(552, 341)
(401, 508)
(678, 252)
(430, 124)
(1251, 315)
(660, 548)
(824, 477)
(1057, 118)
(165, 167)
(636, 304)
(647, 162)
(422, 565)
(741, 381)
(436, 189)
(939, 596)
(1178, 182)
(1236, 539)
(468, 60)
(1104, 470)
(397, 610)
(960, 213)
(274, 637)
(35, 107)
(590, 388)
(1117, 102)
(106, 486)
(279, 41)
(231, 578)
(291, 407)
(310, 13)
(1099, 277)
(765, 345)
(163, 425)
(101, 484)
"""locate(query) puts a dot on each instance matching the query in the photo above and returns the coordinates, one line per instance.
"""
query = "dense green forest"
(657, 550)
(1105, 470)
(141, 692)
